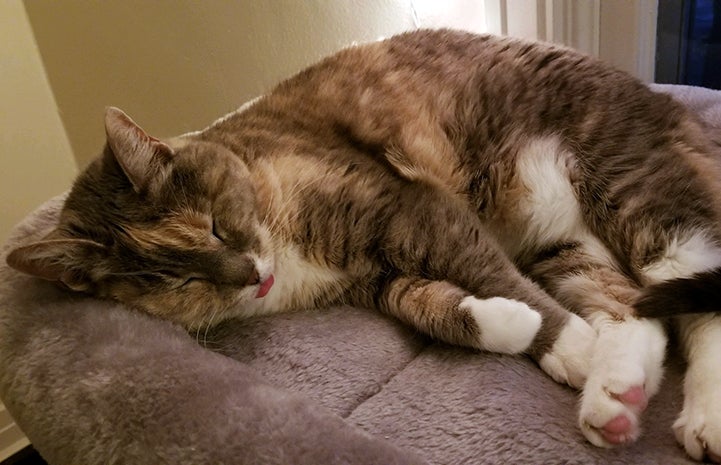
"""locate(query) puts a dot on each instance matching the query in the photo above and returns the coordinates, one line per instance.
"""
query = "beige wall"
(628, 35)
(175, 65)
(35, 157)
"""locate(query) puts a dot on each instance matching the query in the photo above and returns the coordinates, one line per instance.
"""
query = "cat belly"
(538, 207)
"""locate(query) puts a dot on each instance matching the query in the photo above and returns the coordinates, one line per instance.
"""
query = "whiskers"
(219, 341)
(208, 325)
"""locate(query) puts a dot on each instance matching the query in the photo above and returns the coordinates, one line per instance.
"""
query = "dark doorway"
(688, 43)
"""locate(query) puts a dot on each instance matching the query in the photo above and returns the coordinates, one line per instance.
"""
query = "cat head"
(170, 228)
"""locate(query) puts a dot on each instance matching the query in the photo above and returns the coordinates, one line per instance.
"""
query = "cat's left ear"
(66, 260)
(143, 158)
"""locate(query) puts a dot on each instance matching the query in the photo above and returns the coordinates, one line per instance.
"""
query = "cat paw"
(698, 428)
(569, 360)
(507, 326)
(613, 419)
(626, 371)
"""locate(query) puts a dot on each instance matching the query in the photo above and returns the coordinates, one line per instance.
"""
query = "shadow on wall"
(35, 157)
(180, 65)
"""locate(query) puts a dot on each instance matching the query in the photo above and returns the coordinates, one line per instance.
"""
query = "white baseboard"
(11, 438)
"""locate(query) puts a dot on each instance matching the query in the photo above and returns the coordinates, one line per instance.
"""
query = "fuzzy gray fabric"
(91, 382)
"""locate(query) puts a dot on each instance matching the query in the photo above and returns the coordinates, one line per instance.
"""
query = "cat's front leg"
(496, 324)
(448, 313)
(627, 362)
(451, 245)
(698, 428)
(568, 361)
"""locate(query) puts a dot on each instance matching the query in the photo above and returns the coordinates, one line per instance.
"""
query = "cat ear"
(63, 260)
(142, 157)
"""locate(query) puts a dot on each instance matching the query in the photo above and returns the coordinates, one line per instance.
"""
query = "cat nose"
(254, 278)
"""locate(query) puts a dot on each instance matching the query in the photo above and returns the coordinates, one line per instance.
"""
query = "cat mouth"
(265, 287)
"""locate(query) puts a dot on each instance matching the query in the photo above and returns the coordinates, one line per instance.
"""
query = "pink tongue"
(265, 287)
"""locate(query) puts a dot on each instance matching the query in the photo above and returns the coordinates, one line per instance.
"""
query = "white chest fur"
(298, 284)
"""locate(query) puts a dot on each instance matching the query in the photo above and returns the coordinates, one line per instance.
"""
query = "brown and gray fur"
(387, 176)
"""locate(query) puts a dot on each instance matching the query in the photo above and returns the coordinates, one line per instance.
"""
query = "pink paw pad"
(635, 398)
(617, 431)
(620, 429)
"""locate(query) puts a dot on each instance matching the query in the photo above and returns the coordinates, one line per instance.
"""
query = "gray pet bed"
(91, 382)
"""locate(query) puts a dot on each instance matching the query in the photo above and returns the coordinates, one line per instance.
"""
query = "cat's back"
(440, 104)
(470, 85)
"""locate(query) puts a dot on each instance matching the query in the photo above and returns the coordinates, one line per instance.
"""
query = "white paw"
(626, 370)
(507, 326)
(698, 428)
(569, 359)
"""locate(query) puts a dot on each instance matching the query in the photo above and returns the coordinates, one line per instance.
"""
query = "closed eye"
(218, 233)
(234, 239)
(189, 281)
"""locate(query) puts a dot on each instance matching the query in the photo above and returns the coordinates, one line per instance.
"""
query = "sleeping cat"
(477, 188)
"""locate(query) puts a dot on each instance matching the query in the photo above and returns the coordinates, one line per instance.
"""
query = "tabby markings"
(698, 427)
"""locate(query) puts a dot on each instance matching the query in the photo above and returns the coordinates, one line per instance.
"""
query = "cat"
(494, 193)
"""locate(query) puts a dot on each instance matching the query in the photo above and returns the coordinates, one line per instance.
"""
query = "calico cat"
(475, 187)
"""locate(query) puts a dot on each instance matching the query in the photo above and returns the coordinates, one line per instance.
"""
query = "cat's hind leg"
(626, 367)
(698, 428)
(689, 249)
(449, 244)
(627, 364)
(546, 228)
